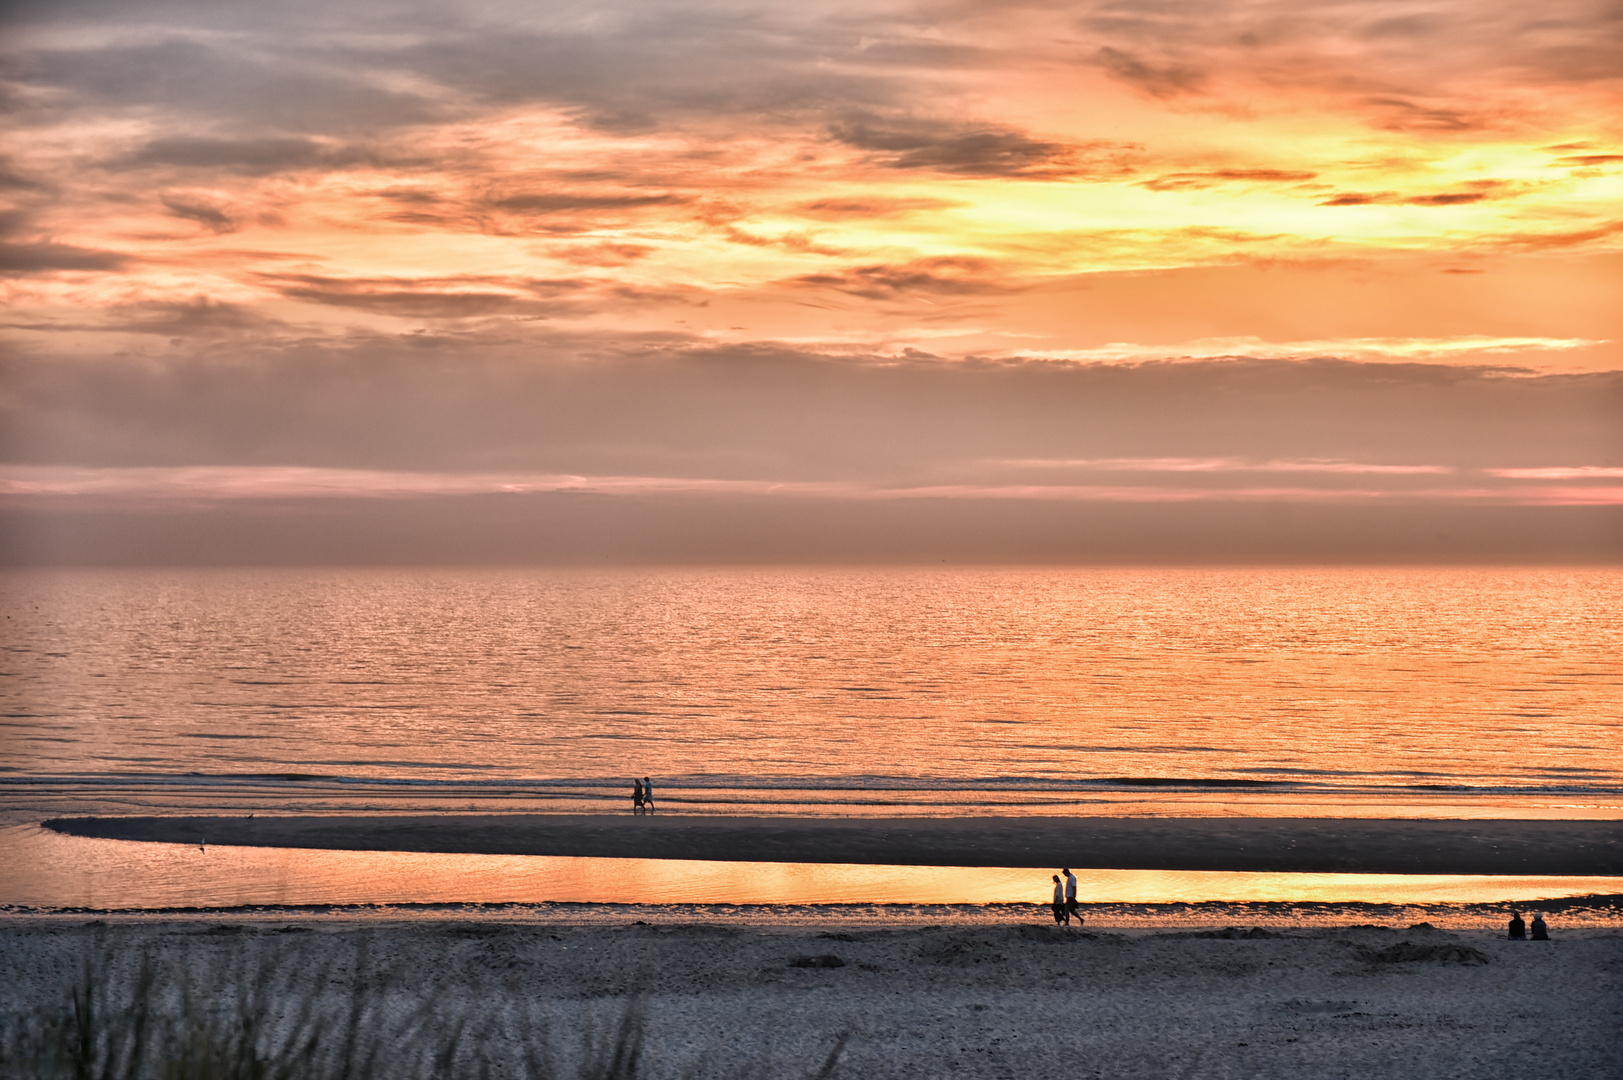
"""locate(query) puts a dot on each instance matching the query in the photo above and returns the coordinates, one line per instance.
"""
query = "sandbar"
(1260, 845)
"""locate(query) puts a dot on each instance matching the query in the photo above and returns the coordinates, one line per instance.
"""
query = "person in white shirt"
(1070, 897)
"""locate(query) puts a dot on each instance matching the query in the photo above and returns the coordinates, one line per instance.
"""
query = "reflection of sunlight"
(63, 871)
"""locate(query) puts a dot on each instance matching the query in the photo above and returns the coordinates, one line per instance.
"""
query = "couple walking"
(1065, 899)
(642, 795)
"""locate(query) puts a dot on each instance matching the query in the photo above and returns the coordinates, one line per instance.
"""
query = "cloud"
(1587, 160)
(553, 202)
(1393, 198)
(945, 276)
(282, 483)
(26, 260)
(838, 209)
(454, 297)
(978, 150)
(1210, 178)
(1468, 347)
(248, 157)
(205, 214)
(1163, 80)
(604, 405)
(264, 81)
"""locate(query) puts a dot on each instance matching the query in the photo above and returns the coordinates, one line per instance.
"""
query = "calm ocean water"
(1493, 692)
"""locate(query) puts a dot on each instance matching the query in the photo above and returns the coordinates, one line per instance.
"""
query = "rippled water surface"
(1474, 691)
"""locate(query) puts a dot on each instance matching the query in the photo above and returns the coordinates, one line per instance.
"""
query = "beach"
(738, 997)
(1285, 845)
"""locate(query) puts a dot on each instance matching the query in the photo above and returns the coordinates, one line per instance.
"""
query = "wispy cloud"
(1216, 465)
(215, 483)
(1467, 348)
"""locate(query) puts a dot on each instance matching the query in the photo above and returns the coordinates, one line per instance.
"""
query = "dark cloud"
(24, 260)
(249, 157)
(1208, 178)
(1447, 198)
(507, 530)
(1394, 198)
(616, 407)
(429, 298)
(1588, 160)
(943, 276)
(249, 87)
(200, 317)
(555, 402)
(1404, 114)
(1361, 198)
(977, 150)
(556, 202)
(11, 180)
(1417, 68)
(210, 217)
(870, 207)
(410, 195)
(1163, 80)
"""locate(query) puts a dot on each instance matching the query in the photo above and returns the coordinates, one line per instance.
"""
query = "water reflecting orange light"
(62, 871)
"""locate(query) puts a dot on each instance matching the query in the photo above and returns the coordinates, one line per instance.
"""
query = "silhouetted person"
(637, 795)
(1541, 932)
(648, 794)
(1070, 896)
(1518, 929)
(1059, 902)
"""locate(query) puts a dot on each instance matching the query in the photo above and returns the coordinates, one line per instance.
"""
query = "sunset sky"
(711, 281)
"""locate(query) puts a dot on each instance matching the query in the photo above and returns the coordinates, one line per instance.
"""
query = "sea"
(1292, 691)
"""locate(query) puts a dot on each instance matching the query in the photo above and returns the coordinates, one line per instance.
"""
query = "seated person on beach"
(1518, 929)
(1541, 932)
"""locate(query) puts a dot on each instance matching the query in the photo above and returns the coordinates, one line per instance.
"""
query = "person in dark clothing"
(1518, 929)
(1059, 902)
(1070, 897)
(636, 795)
(1541, 932)
(648, 794)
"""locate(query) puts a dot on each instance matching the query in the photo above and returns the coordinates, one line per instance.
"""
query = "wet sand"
(1278, 845)
(1018, 1000)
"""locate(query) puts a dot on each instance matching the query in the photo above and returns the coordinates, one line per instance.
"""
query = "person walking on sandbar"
(648, 794)
(1059, 902)
(1070, 897)
(637, 795)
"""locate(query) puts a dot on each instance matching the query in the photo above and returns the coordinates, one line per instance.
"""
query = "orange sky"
(250, 240)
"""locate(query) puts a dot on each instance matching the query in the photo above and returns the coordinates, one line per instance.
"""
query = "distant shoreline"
(1258, 845)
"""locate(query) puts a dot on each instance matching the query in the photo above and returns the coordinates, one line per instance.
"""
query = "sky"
(1177, 280)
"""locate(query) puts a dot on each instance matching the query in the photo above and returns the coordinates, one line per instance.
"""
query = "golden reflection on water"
(62, 871)
(928, 690)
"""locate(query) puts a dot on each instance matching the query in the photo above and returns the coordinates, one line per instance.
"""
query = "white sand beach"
(734, 998)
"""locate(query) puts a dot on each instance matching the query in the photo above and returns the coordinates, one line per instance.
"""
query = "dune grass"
(245, 1013)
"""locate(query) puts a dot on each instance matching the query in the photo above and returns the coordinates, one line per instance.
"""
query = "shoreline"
(1562, 848)
(1601, 914)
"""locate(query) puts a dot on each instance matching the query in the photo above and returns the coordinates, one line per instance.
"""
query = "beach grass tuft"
(253, 1011)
